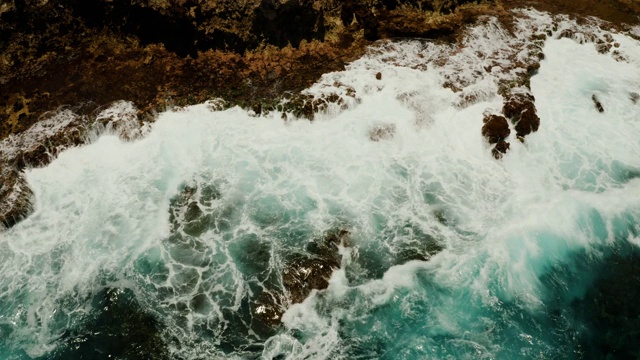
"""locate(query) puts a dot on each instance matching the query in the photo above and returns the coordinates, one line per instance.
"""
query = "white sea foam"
(101, 208)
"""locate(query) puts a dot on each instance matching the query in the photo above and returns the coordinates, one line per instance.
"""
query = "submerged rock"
(312, 269)
(382, 132)
(521, 110)
(609, 309)
(117, 327)
(302, 273)
(421, 250)
(500, 149)
(634, 97)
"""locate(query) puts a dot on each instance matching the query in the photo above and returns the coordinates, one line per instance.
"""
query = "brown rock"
(267, 309)
(312, 269)
(495, 128)
(382, 132)
(521, 110)
(500, 149)
(597, 103)
(379, 76)
(17, 197)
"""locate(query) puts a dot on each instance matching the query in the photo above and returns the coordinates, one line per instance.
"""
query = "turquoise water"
(160, 248)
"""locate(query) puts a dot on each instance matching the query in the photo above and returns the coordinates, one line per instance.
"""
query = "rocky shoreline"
(62, 60)
(62, 64)
(65, 67)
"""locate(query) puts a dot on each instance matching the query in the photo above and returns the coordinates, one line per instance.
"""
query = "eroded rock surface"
(495, 128)
(597, 103)
(382, 132)
(43, 141)
(312, 269)
(521, 110)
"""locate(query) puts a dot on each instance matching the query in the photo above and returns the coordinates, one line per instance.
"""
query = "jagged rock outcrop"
(312, 269)
(382, 132)
(597, 103)
(496, 130)
(521, 110)
(42, 142)
(302, 273)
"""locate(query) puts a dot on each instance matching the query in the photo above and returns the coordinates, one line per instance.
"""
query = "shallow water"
(164, 243)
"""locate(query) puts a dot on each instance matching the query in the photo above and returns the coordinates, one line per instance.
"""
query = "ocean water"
(157, 248)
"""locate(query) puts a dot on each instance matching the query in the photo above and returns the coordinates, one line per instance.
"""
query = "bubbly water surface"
(530, 248)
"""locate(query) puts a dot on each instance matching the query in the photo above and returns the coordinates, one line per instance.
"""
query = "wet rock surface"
(521, 110)
(117, 327)
(382, 132)
(597, 103)
(41, 143)
(17, 197)
(312, 269)
(196, 210)
(500, 149)
(495, 128)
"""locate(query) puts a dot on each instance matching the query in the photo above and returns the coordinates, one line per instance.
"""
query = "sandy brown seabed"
(85, 54)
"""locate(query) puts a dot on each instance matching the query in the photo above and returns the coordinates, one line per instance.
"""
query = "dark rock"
(634, 97)
(17, 198)
(303, 272)
(364, 15)
(495, 128)
(382, 132)
(312, 269)
(379, 76)
(266, 311)
(500, 149)
(566, 33)
(119, 327)
(35, 147)
(603, 48)
(609, 312)
(521, 110)
(421, 250)
(597, 103)
(288, 22)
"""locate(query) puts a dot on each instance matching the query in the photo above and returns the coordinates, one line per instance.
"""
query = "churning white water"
(509, 230)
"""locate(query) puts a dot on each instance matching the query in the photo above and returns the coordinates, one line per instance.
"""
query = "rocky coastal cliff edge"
(63, 62)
